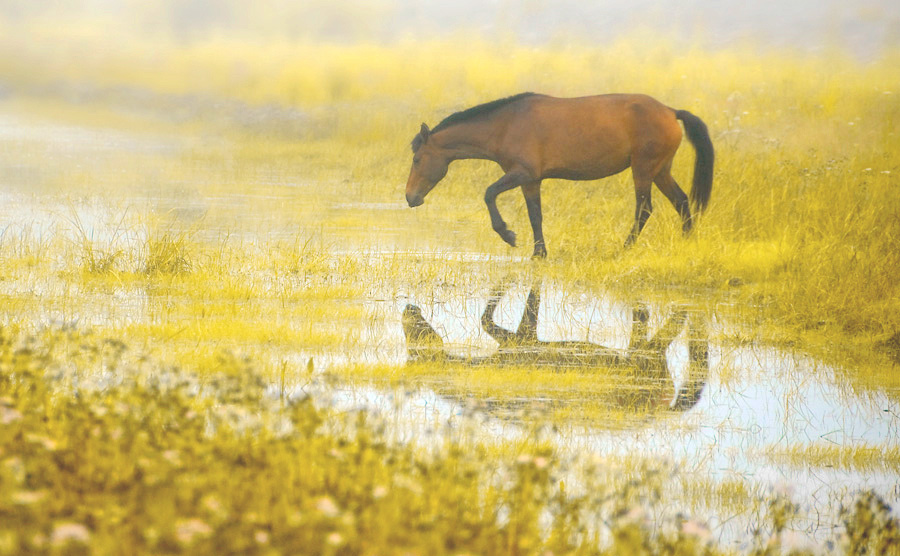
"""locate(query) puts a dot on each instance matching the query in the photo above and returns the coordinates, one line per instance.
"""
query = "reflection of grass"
(727, 496)
(858, 457)
(575, 397)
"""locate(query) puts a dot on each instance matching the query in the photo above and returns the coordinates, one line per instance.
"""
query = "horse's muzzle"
(414, 200)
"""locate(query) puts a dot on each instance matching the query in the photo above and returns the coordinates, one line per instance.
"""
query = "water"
(757, 401)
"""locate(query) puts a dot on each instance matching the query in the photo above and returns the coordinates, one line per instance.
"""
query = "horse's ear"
(420, 138)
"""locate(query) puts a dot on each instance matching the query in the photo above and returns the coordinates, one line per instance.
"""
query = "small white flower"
(379, 492)
(65, 533)
(9, 415)
(326, 506)
(189, 530)
(28, 497)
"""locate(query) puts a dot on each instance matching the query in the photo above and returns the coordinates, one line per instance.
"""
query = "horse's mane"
(469, 113)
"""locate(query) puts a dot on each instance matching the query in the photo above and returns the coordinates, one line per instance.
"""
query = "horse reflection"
(643, 363)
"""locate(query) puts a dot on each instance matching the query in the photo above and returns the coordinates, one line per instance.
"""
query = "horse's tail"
(698, 135)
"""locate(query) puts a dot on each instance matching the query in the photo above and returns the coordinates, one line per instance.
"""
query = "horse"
(645, 354)
(534, 137)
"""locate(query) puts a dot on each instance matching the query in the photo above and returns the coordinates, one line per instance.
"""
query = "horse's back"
(622, 115)
(589, 137)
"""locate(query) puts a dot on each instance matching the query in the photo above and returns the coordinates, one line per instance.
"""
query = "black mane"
(470, 113)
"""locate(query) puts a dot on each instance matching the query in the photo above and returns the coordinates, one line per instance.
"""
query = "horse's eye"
(416, 161)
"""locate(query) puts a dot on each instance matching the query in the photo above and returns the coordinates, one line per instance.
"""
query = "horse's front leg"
(509, 181)
(532, 192)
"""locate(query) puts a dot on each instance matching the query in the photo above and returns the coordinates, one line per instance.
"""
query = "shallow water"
(756, 399)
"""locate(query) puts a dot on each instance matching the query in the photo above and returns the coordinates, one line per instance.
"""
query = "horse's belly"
(586, 170)
(585, 154)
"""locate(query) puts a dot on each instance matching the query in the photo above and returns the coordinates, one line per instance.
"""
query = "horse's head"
(422, 341)
(429, 166)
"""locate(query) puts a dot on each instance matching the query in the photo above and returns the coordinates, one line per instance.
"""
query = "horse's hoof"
(509, 237)
(539, 253)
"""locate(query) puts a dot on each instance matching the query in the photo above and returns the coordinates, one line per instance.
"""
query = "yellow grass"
(312, 252)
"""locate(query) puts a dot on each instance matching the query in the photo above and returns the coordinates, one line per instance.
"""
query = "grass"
(251, 231)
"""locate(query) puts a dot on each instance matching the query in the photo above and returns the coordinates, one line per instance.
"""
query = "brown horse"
(535, 137)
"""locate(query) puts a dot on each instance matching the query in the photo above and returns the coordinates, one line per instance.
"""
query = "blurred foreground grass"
(106, 451)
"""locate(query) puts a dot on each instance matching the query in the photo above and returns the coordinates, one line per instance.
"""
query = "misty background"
(865, 28)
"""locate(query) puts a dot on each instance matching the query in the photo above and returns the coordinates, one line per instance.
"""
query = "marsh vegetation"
(206, 254)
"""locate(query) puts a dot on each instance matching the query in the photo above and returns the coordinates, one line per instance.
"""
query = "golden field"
(203, 242)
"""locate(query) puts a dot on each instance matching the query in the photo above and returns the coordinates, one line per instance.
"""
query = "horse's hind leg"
(643, 206)
(669, 187)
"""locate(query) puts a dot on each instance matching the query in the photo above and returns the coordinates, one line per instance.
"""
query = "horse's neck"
(467, 140)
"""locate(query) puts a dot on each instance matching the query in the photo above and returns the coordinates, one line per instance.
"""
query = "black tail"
(698, 135)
